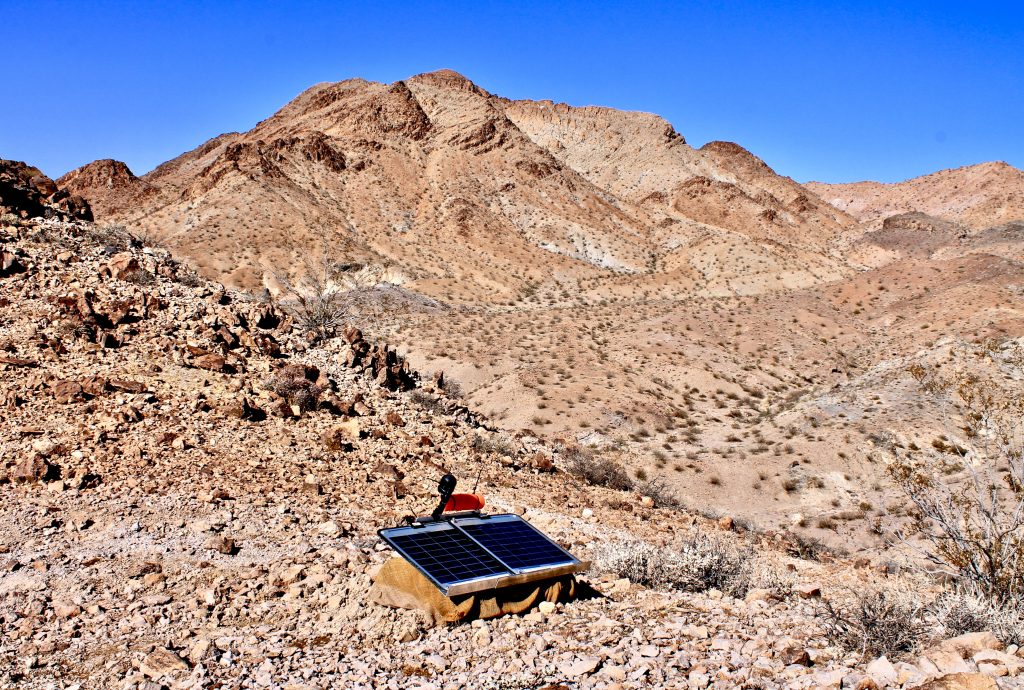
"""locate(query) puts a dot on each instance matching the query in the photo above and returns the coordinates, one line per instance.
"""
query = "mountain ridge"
(438, 134)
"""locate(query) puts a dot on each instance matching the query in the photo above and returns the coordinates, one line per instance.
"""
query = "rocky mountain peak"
(449, 79)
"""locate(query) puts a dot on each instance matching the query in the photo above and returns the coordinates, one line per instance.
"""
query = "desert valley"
(632, 342)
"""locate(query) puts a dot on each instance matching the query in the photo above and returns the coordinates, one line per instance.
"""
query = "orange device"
(464, 502)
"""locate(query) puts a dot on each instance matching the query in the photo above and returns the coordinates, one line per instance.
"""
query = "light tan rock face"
(976, 195)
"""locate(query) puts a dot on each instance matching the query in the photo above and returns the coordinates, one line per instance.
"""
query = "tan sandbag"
(400, 585)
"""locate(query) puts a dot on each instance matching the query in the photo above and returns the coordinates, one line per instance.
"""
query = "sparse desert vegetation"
(787, 436)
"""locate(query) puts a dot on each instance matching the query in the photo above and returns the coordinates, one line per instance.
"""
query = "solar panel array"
(468, 554)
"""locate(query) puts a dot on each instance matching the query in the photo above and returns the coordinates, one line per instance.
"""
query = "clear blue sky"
(826, 91)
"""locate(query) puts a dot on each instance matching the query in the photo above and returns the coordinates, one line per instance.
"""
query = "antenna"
(445, 487)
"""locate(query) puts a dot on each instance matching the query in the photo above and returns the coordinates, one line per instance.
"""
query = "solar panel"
(515, 542)
(470, 554)
(444, 554)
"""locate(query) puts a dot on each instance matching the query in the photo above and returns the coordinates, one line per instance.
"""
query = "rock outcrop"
(27, 193)
(108, 184)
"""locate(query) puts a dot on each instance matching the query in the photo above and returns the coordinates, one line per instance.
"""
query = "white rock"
(581, 666)
(882, 671)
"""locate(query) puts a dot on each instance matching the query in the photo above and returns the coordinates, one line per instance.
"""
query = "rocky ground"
(191, 491)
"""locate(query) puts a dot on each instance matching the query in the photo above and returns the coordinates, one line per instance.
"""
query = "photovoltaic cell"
(447, 555)
(516, 543)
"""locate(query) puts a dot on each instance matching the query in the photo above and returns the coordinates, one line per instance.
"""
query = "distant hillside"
(976, 195)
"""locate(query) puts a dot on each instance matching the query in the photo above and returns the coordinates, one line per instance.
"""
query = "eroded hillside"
(589, 277)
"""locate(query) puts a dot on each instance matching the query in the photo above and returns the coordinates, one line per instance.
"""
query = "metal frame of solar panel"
(471, 552)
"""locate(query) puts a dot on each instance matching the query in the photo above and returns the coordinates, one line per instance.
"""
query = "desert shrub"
(427, 401)
(315, 299)
(595, 469)
(763, 574)
(658, 491)
(113, 235)
(806, 547)
(187, 277)
(139, 276)
(453, 389)
(292, 385)
(971, 520)
(699, 564)
(962, 611)
(146, 237)
(874, 622)
(713, 564)
(496, 445)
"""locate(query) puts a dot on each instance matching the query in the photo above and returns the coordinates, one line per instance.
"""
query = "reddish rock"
(809, 590)
(166, 438)
(795, 655)
(95, 385)
(281, 408)
(10, 264)
(211, 362)
(161, 662)
(18, 361)
(335, 405)
(222, 543)
(65, 392)
(244, 409)
(338, 437)
(127, 386)
(389, 469)
(109, 341)
(118, 311)
(66, 609)
(122, 266)
(352, 334)
(961, 681)
(34, 469)
(266, 345)
(297, 370)
(542, 462)
(229, 339)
